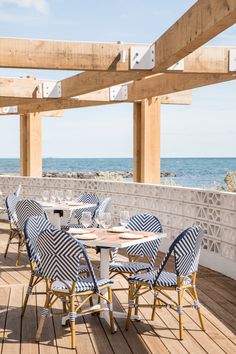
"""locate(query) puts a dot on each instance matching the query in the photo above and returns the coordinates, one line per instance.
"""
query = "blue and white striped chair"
(145, 250)
(186, 249)
(101, 207)
(11, 201)
(25, 209)
(59, 256)
(87, 198)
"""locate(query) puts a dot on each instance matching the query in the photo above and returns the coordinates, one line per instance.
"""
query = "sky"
(207, 128)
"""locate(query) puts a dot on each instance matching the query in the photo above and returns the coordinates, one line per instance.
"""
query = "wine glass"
(60, 196)
(68, 194)
(106, 220)
(86, 218)
(124, 217)
(53, 196)
(98, 217)
(45, 195)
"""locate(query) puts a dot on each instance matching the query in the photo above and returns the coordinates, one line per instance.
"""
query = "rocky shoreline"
(119, 175)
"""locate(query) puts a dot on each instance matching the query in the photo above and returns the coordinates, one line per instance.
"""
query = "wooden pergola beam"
(63, 55)
(53, 108)
(169, 83)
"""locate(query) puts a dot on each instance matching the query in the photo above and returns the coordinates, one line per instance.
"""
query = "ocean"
(190, 172)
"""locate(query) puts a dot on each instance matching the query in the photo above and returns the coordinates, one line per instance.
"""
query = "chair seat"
(129, 267)
(68, 226)
(81, 285)
(165, 279)
(82, 269)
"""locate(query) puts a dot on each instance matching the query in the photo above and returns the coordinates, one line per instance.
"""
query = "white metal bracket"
(177, 66)
(118, 93)
(51, 89)
(142, 58)
(232, 60)
(10, 109)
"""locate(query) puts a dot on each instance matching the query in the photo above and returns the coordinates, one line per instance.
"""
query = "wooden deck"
(216, 292)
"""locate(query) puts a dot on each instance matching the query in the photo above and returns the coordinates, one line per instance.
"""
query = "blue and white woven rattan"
(145, 250)
(102, 207)
(59, 256)
(11, 202)
(186, 250)
(86, 198)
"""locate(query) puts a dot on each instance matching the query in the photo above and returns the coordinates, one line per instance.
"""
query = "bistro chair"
(102, 207)
(32, 229)
(87, 198)
(60, 255)
(186, 249)
(145, 250)
(11, 201)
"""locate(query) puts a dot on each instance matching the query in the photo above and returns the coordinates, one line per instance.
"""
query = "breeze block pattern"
(176, 207)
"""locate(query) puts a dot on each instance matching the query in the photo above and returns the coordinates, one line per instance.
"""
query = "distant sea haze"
(190, 172)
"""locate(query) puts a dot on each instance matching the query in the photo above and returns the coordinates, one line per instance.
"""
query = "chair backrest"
(11, 201)
(27, 208)
(18, 190)
(103, 207)
(150, 223)
(60, 254)
(186, 248)
(88, 198)
(33, 228)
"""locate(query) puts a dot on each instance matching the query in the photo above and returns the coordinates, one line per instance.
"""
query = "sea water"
(192, 172)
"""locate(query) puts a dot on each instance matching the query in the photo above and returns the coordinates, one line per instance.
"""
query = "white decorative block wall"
(176, 207)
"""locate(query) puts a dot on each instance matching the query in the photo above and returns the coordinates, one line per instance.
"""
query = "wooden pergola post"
(31, 145)
(147, 141)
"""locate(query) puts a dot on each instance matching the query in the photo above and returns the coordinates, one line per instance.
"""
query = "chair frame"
(139, 289)
(72, 305)
(15, 232)
(134, 257)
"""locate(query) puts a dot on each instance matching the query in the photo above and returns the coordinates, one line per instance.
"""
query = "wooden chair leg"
(197, 306)
(111, 310)
(72, 321)
(42, 318)
(154, 306)
(180, 311)
(28, 293)
(136, 305)
(11, 236)
(130, 302)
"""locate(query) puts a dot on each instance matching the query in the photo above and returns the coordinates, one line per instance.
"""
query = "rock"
(110, 175)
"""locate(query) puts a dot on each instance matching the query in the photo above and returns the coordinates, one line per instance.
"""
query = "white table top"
(112, 240)
(65, 205)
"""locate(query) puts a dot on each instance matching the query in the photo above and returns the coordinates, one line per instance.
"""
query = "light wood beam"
(63, 55)
(147, 141)
(31, 145)
(169, 83)
(180, 98)
(202, 22)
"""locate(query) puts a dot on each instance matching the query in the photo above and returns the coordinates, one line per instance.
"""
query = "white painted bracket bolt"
(118, 93)
(232, 60)
(10, 109)
(142, 58)
(51, 89)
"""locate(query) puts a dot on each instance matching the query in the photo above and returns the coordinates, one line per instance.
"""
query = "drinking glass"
(98, 217)
(60, 196)
(53, 196)
(124, 217)
(68, 194)
(45, 195)
(106, 220)
(86, 218)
